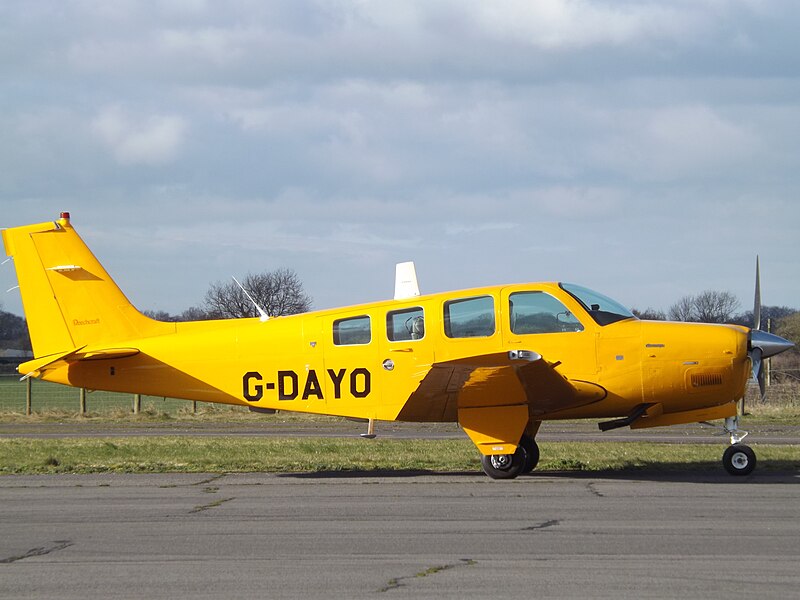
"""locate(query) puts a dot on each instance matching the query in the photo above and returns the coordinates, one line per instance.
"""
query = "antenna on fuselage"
(261, 311)
(405, 281)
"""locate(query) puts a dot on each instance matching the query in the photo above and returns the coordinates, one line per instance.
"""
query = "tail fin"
(69, 299)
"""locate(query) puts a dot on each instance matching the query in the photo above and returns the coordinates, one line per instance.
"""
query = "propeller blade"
(756, 360)
(757, 302)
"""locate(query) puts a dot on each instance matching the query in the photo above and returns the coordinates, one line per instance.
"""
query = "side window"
(406, 324)
(537, 312)
(348, 332)
(469, 317)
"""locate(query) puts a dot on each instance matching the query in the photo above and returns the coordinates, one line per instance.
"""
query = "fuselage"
(367, 360)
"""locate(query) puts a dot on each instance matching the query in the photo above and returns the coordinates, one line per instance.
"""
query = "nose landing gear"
(738, 459)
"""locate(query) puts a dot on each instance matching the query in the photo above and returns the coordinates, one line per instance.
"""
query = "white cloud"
(674, 141)
(571, 24)
(148, 140)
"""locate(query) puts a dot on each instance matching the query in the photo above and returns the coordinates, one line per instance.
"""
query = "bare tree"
(707, 307)
(789, 328)
(682, 310)
(278, 292)
(650, 314)
(13, 332)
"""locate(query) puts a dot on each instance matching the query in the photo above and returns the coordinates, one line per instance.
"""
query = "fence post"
(137, 403)
(28, 398)
(83, 401)
(194, 406)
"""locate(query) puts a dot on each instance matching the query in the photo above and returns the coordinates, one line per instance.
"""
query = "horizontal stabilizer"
(35, 366)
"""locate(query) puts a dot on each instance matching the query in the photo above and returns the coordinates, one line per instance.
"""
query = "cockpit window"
(537, 312)
(601, 308)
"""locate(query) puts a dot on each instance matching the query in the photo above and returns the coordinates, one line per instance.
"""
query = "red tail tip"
(65, 215)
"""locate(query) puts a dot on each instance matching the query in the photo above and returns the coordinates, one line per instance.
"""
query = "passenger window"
(537, 312)
(406, 324)
(349, 332)
(469, 317)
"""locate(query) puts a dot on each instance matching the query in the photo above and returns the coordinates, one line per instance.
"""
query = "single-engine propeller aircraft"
(498, 360)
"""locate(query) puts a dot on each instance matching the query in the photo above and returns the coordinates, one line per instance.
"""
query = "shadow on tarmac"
(767, 472)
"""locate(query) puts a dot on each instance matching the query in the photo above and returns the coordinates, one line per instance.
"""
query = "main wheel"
(531, 449)
(739, 460)
(504, 466)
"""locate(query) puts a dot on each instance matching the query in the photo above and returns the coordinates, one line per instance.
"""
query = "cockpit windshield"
(601, 308)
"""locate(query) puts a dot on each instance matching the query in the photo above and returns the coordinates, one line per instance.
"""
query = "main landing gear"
(738, 459)
(508, 466)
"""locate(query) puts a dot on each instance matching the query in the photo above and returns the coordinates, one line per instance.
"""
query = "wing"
(494, 396)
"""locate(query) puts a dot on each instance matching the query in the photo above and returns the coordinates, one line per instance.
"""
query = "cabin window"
(404, 325)
(469, 317)
(349, 332)
(537, 312)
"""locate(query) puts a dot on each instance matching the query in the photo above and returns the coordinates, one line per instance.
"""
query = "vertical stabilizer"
(69, 299)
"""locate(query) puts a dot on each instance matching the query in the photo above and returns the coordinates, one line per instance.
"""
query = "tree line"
(713, 307)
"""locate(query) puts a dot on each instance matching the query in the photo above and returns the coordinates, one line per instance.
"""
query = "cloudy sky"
(647, 149)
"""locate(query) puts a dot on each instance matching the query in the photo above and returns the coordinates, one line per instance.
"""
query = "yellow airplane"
(498, 360)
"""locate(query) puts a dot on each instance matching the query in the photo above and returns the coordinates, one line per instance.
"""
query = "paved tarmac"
(400, 535)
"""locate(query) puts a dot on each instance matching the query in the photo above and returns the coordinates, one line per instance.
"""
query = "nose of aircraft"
(769, 344)
(763, 345)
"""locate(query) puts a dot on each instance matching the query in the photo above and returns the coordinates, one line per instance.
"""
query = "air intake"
(706, 379)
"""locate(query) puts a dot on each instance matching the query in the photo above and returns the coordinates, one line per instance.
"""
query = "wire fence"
(34, 396)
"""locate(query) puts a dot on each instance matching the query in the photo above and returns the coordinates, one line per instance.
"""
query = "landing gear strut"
(738, 459)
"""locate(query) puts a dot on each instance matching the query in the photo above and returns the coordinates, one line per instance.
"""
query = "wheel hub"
(739, 460)
(501, 461)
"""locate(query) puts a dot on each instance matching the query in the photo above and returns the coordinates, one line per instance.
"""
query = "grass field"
(303, 455)
(145, 454)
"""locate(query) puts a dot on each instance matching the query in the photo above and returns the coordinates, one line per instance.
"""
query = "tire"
(531, 449)
(504, 466)
(739, 460)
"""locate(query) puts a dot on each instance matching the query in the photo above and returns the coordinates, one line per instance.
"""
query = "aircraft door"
(351, 364)
(406, 354)
(540, 321)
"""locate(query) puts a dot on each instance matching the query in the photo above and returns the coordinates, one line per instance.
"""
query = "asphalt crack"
(544, 525)
(591, 487)
(204, 507)
(41, 551)
(398, 582)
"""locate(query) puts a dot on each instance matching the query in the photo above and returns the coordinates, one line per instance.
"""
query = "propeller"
(761, 344)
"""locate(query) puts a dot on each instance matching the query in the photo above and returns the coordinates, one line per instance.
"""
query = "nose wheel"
(738, 459)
